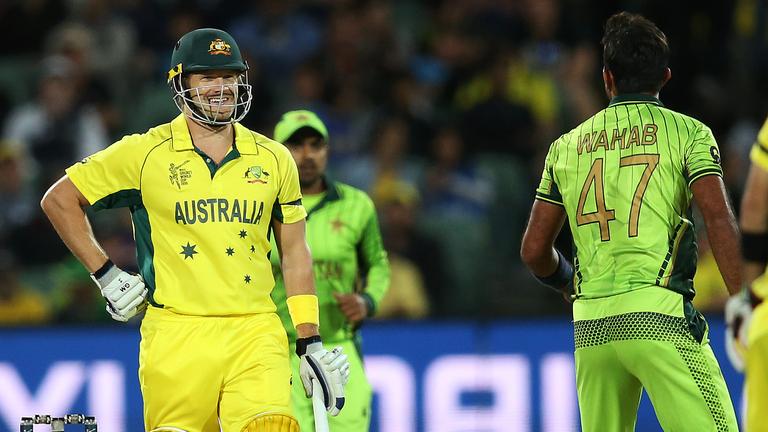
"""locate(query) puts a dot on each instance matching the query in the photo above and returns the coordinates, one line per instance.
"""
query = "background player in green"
(624, 180)
(343, 235)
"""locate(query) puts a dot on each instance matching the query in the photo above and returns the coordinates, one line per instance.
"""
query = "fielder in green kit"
(624, 180)
(350, 266)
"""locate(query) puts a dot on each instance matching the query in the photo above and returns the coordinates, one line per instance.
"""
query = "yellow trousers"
(198, 373)
(756, 382)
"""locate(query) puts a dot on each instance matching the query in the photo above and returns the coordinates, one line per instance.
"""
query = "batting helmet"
(209, 49)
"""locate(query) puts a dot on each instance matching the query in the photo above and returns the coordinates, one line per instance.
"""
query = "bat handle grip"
(318, 408)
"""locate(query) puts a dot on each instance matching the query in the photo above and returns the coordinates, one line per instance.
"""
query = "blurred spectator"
(409, 99)
(497, 106)
(98, 53)
(308, 91)
(578, 74)
(389, 162)
(16, 193)
(19, 305)
(113, 38)
(29, 21)
(406, 296)
(277, 35)
(412, 251)
(453, 185)
(57, 128)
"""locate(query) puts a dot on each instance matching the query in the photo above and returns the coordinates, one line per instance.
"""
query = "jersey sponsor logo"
(178, 175)
(327, 269)
(219, 47)
(617, 138)
(210, 210)
(256, 174)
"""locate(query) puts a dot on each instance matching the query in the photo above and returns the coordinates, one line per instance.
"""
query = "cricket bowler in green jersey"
(350, 265)
(624, 180)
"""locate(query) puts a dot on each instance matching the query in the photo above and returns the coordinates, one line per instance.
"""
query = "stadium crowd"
(441, 110)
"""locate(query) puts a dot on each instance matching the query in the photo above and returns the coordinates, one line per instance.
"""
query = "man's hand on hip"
(329, 368)
(124, 292)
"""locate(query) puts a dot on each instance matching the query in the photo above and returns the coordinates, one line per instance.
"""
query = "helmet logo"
(219, 47)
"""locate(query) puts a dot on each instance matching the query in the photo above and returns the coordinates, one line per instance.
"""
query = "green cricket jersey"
(344, 238)
(623, 177)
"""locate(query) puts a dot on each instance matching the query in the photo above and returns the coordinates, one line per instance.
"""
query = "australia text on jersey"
(218, 210)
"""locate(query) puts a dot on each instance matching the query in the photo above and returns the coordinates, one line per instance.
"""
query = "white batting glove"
(738, 314)
(329, 368)
(125, 293)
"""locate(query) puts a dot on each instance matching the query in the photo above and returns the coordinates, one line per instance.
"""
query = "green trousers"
(356, 414)
(648, 340)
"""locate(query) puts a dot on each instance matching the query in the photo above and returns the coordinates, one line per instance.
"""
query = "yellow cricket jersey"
(759, 157)
(759, 153)
(201, 230)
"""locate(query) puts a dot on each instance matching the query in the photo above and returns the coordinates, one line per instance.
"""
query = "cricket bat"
(318, 408)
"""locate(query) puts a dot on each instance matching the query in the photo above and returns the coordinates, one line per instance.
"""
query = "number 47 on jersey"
(602, 215)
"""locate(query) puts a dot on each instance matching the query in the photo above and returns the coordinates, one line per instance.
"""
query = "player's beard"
(217, 107)
(309, 174)
(219, 111)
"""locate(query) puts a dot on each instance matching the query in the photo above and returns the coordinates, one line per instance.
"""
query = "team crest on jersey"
(219, 47)
(256, 174)
(178, 175)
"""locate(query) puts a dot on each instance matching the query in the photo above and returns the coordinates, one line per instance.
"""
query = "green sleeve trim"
(277, 211)
(370, 303)
(123, 198)
(542, 197)
(704, 172)
(294, 202)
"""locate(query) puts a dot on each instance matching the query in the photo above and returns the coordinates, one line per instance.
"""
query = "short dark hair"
(636, 52)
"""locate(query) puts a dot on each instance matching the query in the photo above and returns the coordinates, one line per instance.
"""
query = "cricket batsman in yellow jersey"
(747, 314)
(203, 192)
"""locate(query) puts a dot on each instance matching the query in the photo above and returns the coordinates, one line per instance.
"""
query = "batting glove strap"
(303, 343)
(108, 272)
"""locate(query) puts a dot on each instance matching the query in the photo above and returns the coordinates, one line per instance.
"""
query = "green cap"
(295, 120)
(205, 49)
